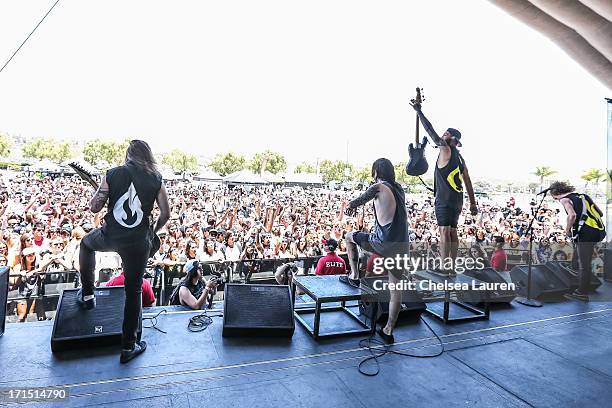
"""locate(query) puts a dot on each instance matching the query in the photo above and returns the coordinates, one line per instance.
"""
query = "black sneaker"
(577, 295)
(127, 355)
(348, 281)
(85, 304)
(387, 338)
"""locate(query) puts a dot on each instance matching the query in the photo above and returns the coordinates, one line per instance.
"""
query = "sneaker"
(348, 281)
(127, 355)
(85, 304)
(577, 295)
(387, 338)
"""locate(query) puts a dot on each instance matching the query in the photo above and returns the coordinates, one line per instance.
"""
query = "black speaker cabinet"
(411, 308)
(544, 283)
(74, 327)
(563, 270)
(608, 264)
(490, 275)
(4, 284)
(258, 310)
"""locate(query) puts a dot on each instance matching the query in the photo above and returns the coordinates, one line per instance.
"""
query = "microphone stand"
(528, 301)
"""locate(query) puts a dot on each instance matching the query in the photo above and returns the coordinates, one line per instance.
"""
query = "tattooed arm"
(99, 199)
(369, 195)
(427, 126)
(164, 208)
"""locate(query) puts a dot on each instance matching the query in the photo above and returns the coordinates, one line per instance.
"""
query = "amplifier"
(608, 264)
(544, 283)
(563, 270)
(258, 310)
(490, 275)
(411, 308)
(74, 327)
(4, 284)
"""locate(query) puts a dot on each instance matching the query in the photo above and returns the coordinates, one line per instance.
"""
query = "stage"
(556, 355)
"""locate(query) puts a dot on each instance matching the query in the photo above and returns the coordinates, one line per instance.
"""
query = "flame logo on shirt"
(128, 209)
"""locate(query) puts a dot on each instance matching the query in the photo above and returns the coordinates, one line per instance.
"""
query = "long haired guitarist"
(585, 227)
(131, 191)
(449, 176)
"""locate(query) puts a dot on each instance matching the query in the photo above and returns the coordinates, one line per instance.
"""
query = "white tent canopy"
(46, 165)
(304, 178)
(207, 174)
(244, 177)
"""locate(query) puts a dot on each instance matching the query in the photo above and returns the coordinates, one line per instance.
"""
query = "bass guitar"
(417, 165)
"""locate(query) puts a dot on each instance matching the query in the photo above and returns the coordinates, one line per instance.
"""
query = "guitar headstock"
(420, 96)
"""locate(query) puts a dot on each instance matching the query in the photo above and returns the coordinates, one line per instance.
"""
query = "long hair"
(561, 187)
(140, 155)
(383, 170)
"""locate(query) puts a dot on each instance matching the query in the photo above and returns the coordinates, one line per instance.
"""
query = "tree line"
(105, 154)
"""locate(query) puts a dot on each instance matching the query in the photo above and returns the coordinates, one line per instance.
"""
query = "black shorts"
(447, 216)
(362, 239)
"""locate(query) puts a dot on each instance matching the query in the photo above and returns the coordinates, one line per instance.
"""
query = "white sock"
(86, 298)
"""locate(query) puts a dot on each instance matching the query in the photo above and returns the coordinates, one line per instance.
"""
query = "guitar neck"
(417, 129)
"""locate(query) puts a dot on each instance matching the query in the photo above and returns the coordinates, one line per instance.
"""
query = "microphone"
(546, 190)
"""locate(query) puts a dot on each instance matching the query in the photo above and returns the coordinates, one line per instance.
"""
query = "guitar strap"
(425, 184)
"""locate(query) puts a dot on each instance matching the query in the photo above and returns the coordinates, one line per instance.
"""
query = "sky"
(307, 79)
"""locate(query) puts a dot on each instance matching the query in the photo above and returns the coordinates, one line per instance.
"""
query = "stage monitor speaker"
(608, 264)
(563, 270)
(411, 308)
(74, 327)
(4, 284)
(544, 283)
(258, 310)
(490, 275)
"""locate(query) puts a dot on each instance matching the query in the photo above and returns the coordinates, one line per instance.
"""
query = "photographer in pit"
(193, 291)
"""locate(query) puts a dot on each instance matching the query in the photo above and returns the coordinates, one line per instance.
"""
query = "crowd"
(43, 219)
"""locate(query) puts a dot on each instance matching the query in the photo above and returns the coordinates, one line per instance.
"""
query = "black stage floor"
(559, 355)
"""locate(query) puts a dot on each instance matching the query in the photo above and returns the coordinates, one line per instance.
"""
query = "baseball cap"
(332, 244)
(194, 263)
(456, 134)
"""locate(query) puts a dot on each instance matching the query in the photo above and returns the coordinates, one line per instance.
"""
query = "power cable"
(29, 35)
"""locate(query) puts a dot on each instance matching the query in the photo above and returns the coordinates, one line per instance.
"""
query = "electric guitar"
(88, 177)
(417, 165)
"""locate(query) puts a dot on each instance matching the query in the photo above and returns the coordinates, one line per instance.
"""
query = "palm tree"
(543, 172)
(593, 175)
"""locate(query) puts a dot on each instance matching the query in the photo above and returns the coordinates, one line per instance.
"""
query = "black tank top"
(132, 193)
(392, 239)
(448, 181)
(593, 224)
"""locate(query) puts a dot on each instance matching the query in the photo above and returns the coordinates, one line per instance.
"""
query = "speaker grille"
(106, 318)
(258, 310)
(4, 278)
(257, 305)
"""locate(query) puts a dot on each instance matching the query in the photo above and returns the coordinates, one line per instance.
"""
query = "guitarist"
(586, 227)
(449, 175)
(131, 191)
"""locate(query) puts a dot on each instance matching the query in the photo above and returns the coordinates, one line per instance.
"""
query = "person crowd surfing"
(130, 191)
